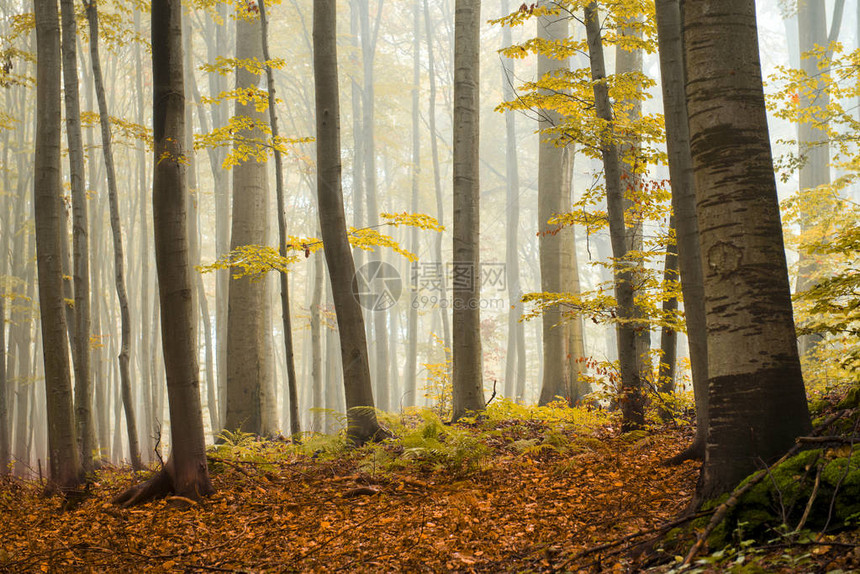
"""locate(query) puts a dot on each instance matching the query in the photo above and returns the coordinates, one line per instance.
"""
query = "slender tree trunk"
(317, 380)
(119, 259)
(411, 386)
(670, 39)
(83, 380)
(467, 356)
(551, 202)
(437, 182)
(361, 418)
(813, 141)
(515, 364)
(570, 284)
(144, 251)
(295, 424)
(757, 400)
(369, 34)
(632, 399)
(248, 324)
(185, 473)
(668, 337)
(64, 462)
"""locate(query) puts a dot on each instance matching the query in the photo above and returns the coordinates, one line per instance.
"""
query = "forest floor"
(526, 496)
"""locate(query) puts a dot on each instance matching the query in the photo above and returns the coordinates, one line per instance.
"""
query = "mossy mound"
(780, 500)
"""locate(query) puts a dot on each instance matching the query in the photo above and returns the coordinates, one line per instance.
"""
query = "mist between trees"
(281, 219)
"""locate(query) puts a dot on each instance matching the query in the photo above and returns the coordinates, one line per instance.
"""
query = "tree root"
(159, 486)
(695, 451)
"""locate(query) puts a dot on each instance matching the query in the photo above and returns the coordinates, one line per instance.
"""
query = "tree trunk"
(515, 357)
(185, 473)
(119, 261)
(437, 182)
(410, 372)
(369, 34)
(144, 254)
(632, 399)
(757, 400)
(295, 425)
(316, 344)
(684, 208)
(248, 324)
(81, 348)
(467, 356)
(556, 375)
(361, 418)
(813, 142)
(64, 462)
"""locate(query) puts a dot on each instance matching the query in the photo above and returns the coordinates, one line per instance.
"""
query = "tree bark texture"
(64, 461)
(467, 355)
(757, 399)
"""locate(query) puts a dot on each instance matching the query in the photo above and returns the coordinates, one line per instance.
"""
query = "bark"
(684, 208)
(317, 380)
(629, 63)
(144, 251)
(185, 473)
(632, 399)
(570, 284)
(64, 461)
(757, 399)
(248, 324)
(468, 393)
(295, 425)
(668, 336)
(201, 303)
(81, 275)
(362, 425)
(515, 357)
(410, 372)
(551, 202)
(813, 142)
(437, 181)
(369, 35)
(119, 259)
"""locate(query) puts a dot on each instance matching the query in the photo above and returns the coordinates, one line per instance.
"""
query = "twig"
(629, 537)
(812, 496)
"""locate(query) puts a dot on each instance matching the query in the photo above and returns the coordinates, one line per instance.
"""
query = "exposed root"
(695, 451)
(159, 486)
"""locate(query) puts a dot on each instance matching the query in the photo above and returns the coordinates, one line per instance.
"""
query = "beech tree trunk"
(186, 472)
(248, 324)
(292, 382)
(467, 356)
(632, 399)
(686, 226)
(437, 182)
(551, 203)
(64, 462)
(119, 259)
(515, 357)
(362, 425)
(80, 229)
(757, 399)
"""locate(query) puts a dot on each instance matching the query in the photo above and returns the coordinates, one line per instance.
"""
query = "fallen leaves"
(519, 511)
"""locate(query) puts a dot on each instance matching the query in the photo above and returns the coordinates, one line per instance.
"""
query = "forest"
(429, 286)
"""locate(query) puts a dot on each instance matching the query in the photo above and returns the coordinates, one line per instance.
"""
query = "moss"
(851, 400)
(818, 406)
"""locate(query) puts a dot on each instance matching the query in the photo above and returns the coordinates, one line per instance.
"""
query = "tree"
(467, 357)
(292, 383)
(813, 144)
(248, 322)
(515, 358)
(757, 399)
(116, 234)
(684, 208)
(185, 472)
(552, 202)
(632, 399)
(362, 425)
(64, 462)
